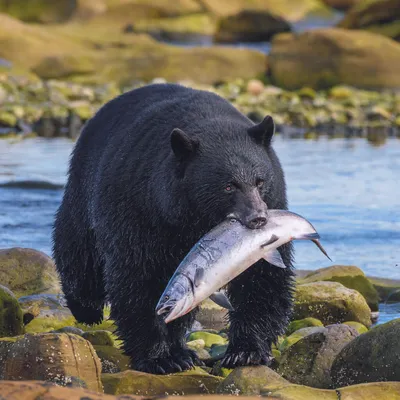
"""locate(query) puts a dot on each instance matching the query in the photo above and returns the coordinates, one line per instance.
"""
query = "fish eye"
(166, 297)
(229, 188)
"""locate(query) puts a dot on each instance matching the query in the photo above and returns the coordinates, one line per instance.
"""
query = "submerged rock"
(209, 339)
(11, 316)
(60, 358)
(196, 381)
(350, 276)
(305, 59)
(249, 380)
(372, 357)
(331, 302)
(27, 271)
(309, 360)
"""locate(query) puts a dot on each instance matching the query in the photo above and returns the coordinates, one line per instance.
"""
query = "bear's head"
(229, 172)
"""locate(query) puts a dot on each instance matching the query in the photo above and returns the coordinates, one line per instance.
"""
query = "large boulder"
(11, 317)
(140, 383)
(27, 271)
(379, 16)
(250, 26)
(331, 303)
(62, 52)
(249, 381)
(350, 276)
(56, 357)
(372, 357)
(294, 337)
(322, 58)
(309, 360)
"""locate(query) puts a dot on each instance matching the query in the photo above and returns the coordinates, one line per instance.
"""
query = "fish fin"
(222, 300)
(198, 276)
(274, 258)
(272, 239)
(319, 245)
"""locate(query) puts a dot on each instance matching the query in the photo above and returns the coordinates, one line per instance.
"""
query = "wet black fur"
(132, 209)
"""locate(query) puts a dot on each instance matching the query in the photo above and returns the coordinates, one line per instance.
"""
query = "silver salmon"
(223, 254)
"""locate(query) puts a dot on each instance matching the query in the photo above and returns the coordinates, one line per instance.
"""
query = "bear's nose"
(256, 222)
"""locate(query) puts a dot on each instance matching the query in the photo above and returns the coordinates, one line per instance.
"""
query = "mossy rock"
(196, 344)
(331, 303)
(218, 371)
(379, 16)
(302, 323)
(196, 381)
(298, 335)
(342, 4)
(210, 339)
(305, 59)
(48, 324)
(27, 271)
(360, 328)
(249, 380)
(367, 391)
(371, 357)
(112, 359)
(99, 338)
(11, 316)
(309, 360)
(7, 119)
(388, 289)
(350, 276)
(182, 28)
(55, 357)
(250, 26)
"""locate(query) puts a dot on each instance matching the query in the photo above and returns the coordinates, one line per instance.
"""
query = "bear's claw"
(181, 360)
(245, 358)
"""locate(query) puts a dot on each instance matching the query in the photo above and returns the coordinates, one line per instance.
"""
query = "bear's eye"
(230, 187)
(260, 183)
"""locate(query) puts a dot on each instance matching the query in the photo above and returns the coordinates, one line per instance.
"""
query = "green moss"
(196, 381)
(115, 357)
(297, 335)
(349, 276)
(302, 323)
(100, 338)
(47, 324)
(360, 328)
(209, 339)
(307, 93)
(7, 119)
(11, 316)
(196, 344)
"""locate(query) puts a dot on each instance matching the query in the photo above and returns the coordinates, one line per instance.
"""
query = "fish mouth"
(174, 311)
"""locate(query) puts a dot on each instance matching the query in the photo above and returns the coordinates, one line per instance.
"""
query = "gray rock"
(309, 360)
(372, 357)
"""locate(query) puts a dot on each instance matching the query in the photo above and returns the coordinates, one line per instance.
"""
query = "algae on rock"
(11, 317)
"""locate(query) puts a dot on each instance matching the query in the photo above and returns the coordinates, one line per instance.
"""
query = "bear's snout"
(256, 220)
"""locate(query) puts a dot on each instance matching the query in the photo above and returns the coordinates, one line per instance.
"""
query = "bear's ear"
(182, 144)
(263, 132)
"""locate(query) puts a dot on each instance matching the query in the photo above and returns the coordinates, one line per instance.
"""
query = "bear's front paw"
(234, 359)
(181, 360)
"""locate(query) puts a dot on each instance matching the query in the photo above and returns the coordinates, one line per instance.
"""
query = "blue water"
(347, 188)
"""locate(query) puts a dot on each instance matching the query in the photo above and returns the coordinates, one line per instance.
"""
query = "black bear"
(152, 172)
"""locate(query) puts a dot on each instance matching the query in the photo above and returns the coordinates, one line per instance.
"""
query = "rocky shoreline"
(330, 346)
(53, 108)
